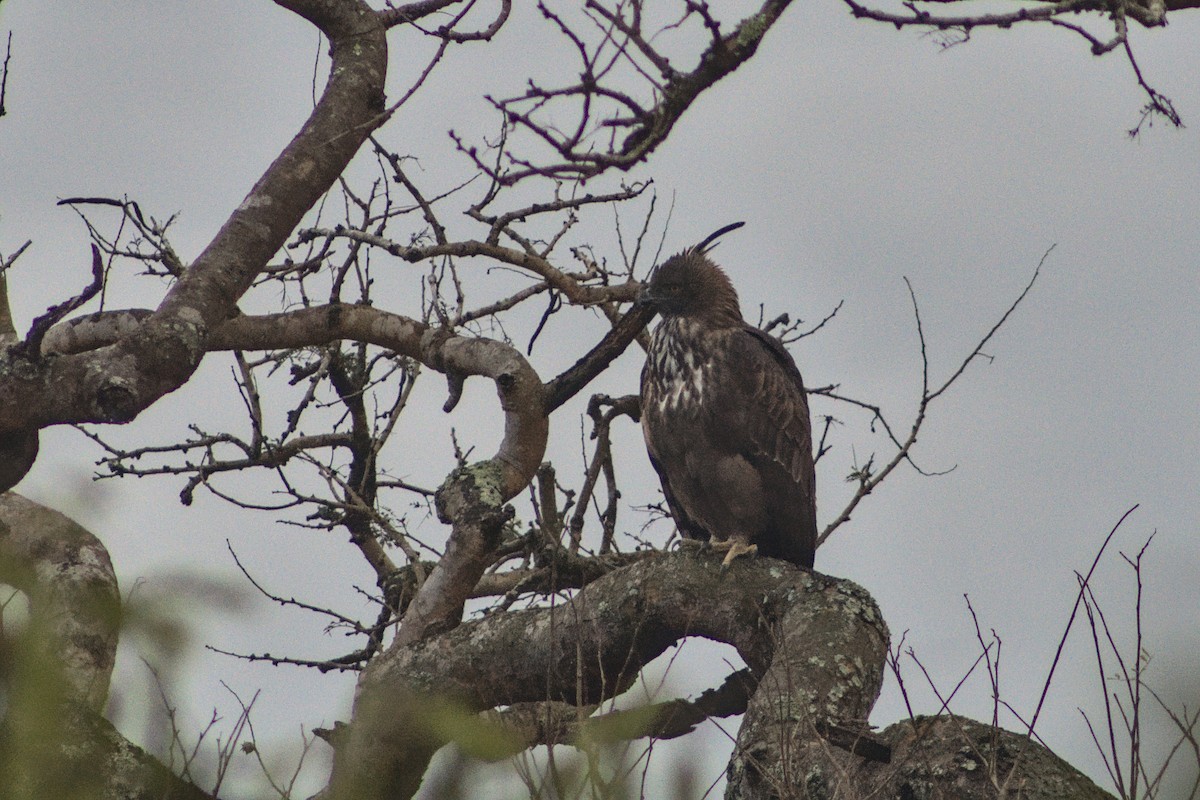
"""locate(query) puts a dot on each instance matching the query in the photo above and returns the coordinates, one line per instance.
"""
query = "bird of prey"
(725, 417)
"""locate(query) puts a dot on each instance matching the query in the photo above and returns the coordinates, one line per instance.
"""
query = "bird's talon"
(736, 550)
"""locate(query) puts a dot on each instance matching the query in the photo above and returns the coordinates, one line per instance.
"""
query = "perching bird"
(725, 417)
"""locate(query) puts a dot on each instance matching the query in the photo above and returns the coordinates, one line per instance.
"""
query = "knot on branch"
(117, 400)
(157, 359)
(181, 339)
(473, 496)
(433, 351)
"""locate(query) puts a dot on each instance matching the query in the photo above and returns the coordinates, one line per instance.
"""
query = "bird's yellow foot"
(734, 548)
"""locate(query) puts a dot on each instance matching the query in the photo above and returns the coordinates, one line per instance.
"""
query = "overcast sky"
(858, 155)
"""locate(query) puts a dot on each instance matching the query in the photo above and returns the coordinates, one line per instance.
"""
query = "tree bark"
(74, 602)
(55, 671)
(931, 758)
(816, 647)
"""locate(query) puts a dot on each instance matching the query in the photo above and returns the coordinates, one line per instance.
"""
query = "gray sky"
(858, 155)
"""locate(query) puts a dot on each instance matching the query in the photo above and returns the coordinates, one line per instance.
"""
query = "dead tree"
(575, 613)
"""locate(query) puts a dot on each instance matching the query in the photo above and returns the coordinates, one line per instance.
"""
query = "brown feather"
(725, 417)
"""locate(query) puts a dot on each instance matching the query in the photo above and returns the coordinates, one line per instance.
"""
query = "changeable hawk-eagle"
(725, 417)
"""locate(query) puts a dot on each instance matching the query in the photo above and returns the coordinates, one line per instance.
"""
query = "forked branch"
(866, 476)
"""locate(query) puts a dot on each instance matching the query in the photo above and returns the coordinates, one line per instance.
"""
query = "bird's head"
(689, 284)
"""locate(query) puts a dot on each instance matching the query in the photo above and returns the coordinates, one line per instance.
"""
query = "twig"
(4, 75)
(1079, 599)
(869, 480)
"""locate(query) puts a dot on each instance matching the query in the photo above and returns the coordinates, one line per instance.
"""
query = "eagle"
(725, 417)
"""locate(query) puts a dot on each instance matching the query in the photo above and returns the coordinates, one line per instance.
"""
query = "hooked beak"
(645, 299)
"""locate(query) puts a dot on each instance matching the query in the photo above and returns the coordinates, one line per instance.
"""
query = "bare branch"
(1079, 599)
(555, 722)
(1149, 14)
(579, 156)
(8, 330)
(4, 75)
(866, 477)
(116, 385)
(565, 386)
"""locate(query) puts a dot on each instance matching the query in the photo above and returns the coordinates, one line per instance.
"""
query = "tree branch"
(592, 647)
(74, 602)
(115, 384)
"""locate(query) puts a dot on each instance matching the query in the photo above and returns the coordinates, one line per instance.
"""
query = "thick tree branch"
(944, 756)
(566, 572)
(592, 647)
(18, 448)
(551, 723)
(816, 648)
(565, 386)
(520, 388)
(74, 603)
(54, 743)
(93, 331)
(85, 757)
(472, 500)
